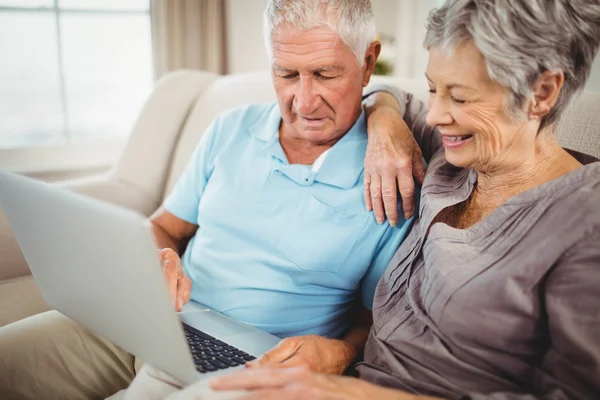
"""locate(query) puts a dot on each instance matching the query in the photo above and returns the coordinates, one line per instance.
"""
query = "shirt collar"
(344, 164)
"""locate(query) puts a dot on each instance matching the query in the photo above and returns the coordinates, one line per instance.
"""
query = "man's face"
(318, 82)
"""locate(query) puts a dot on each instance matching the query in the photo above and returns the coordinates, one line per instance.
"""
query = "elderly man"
(285, 242)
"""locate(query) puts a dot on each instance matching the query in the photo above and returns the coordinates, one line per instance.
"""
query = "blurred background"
(74, 74)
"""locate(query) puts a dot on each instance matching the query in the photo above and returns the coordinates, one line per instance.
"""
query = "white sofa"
(166, 132)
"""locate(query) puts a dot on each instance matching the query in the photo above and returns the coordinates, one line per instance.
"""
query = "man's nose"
(438, 113)
(306, 99)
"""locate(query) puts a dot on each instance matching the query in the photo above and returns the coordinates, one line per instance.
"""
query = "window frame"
(68, 156)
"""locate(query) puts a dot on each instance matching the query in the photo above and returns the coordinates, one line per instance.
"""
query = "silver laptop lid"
(97, 263)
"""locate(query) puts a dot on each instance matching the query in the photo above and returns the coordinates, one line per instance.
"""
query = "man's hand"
(393, 159)
(180, 286)
(318, 354)
(300, 384)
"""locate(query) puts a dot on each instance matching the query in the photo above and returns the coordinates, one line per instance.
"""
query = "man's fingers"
(184, 291)
(172, 275)
(367, 194)
(173, 272)
(390, 199)
(280, 353)
(377, 199)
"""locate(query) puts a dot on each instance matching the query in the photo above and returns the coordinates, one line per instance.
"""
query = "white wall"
(385, 15)
(404, 18)
(245, 46)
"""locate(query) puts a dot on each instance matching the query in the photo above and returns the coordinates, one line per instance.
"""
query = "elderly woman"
(495, 292)
(285, 242)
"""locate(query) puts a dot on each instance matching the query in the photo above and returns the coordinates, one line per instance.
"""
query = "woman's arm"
(300, 384)
(393, 156)
(570, 368)
(412, 111)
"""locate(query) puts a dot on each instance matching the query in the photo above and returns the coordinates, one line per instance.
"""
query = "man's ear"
(370, 59)
(545, 92)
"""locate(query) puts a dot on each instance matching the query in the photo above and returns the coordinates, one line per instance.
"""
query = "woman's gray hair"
(353, 20)
(520, 39)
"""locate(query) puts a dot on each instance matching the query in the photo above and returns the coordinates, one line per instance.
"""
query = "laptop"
(98, 264)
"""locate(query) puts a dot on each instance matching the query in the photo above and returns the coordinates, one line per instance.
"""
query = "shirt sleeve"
(571, 366)
(388, 244)
(414, 113)
(184, 200)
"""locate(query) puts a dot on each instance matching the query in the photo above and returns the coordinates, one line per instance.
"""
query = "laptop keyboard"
(211, 354)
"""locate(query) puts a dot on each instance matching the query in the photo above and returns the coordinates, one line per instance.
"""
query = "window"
(72, 71)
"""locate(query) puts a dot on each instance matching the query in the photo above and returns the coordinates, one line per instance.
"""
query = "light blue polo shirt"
(280, 247)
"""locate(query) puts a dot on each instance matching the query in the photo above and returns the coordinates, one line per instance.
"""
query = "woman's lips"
(453, 142)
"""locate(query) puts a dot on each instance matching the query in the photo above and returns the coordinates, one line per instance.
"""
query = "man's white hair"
(353, 20)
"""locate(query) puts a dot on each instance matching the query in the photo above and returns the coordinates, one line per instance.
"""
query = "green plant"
(383, 67)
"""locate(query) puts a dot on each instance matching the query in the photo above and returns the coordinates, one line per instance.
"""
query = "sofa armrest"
(138, 180)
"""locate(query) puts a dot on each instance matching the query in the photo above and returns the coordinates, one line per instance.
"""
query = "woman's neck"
(548, 161)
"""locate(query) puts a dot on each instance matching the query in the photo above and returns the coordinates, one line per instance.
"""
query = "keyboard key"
(210, 367)
(196, 332)
(227, 361)
(238, 360)
(201, 369)
(249, 357)
(218, 364)
(239, 353)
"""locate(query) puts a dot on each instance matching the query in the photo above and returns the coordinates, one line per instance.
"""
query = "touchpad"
(215, 324)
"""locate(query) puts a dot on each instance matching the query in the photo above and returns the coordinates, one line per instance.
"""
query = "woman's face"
(468, 109)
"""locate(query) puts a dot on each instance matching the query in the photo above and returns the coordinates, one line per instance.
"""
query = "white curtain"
(188, 34)
(411, 58)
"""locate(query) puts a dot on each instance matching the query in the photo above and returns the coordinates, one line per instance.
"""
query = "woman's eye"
(432, 91)
(454, 99)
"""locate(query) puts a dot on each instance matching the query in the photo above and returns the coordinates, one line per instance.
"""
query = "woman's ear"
(545, 92)
(371, 56)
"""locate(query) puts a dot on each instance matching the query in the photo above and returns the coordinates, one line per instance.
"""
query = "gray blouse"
(506, 309)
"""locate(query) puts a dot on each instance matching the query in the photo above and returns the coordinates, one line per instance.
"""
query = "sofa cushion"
(579, 128)
(20, 298)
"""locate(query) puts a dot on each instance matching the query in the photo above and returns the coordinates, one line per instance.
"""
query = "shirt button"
(407, 307)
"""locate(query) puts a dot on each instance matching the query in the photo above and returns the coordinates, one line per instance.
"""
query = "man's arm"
(170, 231)
(320, 354)
(172, 235)
(359, 333)
(173, 224)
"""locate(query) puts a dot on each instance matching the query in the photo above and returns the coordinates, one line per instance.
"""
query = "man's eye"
(325, 77)
(288, 76)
